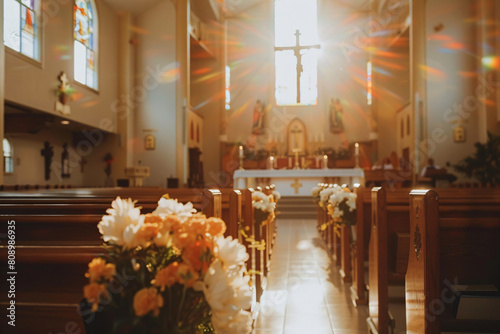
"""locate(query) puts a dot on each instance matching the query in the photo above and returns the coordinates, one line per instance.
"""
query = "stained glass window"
(21, 32)
(8, 165)
(85, 42)
(296, 51)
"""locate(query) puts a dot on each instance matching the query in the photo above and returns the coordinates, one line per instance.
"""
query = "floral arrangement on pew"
(264, 206)
(325, 194)
(315, 192)
(171, 271)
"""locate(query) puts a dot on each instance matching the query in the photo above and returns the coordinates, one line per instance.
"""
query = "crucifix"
(47, 153)
(296, 50)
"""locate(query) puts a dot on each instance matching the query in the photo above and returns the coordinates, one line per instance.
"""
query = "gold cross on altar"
(296, 185)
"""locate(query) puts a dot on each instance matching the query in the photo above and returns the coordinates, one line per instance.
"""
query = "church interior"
(214, 101)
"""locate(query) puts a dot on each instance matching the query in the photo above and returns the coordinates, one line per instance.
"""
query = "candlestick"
(241, 157)
(325, 161)
(356, 155)
(296, 151)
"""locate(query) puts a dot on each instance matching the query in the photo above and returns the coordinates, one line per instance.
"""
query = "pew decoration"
(342, 206)
(264, 206)
(171, 271)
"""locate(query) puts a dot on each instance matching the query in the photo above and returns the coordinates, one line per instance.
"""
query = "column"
(2, 88)
(125, 117)
(418, 96)
(182, 102)
(486, 40)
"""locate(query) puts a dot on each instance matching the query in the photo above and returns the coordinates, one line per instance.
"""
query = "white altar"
(296, 182)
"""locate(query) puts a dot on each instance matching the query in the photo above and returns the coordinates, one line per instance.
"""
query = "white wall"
(154, 92)
(29, 164)
(35, 85)
(391, 91)
(340, 75)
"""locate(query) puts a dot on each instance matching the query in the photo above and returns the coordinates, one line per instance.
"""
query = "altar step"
(296, 207)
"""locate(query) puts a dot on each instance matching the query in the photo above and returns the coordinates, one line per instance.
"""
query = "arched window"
(85, 45)
(20, 24)
(8, 165)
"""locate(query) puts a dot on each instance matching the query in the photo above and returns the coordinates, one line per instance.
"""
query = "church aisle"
(304, 292)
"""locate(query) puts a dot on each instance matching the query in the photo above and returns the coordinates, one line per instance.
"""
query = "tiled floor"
(304, 292)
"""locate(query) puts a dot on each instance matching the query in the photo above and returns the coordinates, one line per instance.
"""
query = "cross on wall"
(296, 185)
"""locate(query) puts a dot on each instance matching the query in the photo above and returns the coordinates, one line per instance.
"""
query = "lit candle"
(325, 161)
(271, 160)
(241, 152)
(356, 149)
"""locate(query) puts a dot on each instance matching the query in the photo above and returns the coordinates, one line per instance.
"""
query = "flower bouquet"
(263, 207)
(342, 206)
(171, 271)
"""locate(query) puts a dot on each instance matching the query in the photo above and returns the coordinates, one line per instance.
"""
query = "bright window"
(8, 165)
(296, 51)
(21, 32)
(85, 42)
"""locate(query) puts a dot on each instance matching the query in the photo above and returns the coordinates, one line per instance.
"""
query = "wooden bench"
(444, 251)
(55, 242)
(390, 239)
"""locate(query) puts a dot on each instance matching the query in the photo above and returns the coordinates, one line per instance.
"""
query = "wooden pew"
(55, 243)
(231, 211)
(363, 228)
(390, 227)
(461, 250)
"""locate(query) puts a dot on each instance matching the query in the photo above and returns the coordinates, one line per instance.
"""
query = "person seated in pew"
(387, 165)
(430, 166)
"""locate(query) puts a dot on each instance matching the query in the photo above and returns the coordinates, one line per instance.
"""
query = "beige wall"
(391, 77)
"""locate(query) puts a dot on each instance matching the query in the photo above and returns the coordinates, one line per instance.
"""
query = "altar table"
(296, 182)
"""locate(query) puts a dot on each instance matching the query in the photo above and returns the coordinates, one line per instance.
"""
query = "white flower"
(227, 296)
(240, 322)
(316, 190)
(172, 207)
(118, 227)
(232, 254)
(262, 202)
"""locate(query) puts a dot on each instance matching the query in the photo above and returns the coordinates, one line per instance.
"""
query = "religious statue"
(336, 116)
(65, 161)
(258, 118)
(64, 92)
(47, 153)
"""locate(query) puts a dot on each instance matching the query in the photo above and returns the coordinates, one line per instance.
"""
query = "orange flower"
(186, 275)
(147, 300)
(166, 276)
(197, 225)
(216, 226)
(92, 292)
(171, 223)
(199, 255)
(98, 269)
